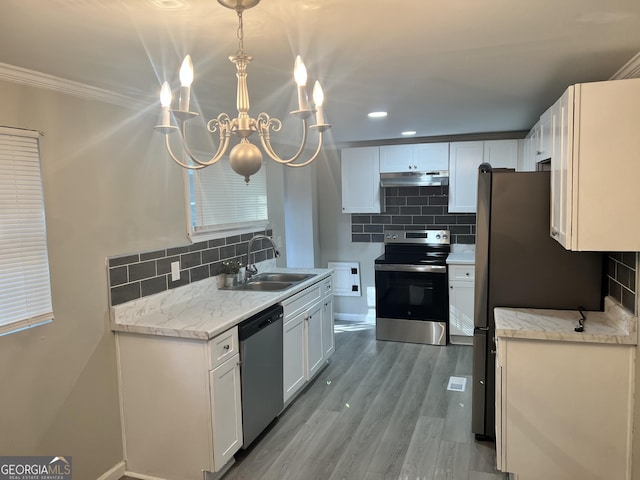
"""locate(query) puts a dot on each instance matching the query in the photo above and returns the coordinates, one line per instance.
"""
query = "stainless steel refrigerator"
(518, 264)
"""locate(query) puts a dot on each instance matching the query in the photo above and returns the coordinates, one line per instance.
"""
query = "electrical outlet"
(175, 271)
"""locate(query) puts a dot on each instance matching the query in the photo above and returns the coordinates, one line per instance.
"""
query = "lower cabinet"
(293, 354)
(308, 338)
(180, 400)
(461, 303)
(226, 407)
(564, 410)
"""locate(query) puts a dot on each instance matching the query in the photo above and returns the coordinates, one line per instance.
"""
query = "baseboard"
(354, 317)
(114, 473)
(142, 476)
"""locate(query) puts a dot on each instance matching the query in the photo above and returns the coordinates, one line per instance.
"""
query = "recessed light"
(408, 133)
(377, 114)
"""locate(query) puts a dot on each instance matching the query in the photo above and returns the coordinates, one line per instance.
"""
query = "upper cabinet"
(421, 157)
(464, 160)
(537, 144)
(544, 136)
(361, 180)
(595, 170)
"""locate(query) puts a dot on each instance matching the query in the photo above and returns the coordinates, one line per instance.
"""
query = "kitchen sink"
(271, 281)
(281, 277)
(261, 286)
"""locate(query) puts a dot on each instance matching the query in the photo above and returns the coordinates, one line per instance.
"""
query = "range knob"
(438, 236)
(445, 236)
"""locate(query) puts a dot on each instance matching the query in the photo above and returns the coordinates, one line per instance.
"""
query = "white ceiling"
(437, 67)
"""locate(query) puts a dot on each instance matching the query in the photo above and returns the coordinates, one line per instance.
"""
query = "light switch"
(175, 271)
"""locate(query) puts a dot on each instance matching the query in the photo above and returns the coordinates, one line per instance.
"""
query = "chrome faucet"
(251, 269)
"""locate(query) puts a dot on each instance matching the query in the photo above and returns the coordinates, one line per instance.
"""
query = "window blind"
(25, 289)
(221, 200)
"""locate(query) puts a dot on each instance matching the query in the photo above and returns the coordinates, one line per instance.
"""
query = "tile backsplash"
(138, 275)
(621, 278)
(414, 208)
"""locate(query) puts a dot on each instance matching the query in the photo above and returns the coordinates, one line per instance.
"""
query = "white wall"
(109, 189)
(335, 239)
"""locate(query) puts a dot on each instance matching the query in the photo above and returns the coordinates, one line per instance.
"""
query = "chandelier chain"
(240, 34)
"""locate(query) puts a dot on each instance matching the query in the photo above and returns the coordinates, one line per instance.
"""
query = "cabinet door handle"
(554, 233)
(451, 287)
(226, 347)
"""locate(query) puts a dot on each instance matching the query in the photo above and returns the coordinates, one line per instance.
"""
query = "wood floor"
(378, 411)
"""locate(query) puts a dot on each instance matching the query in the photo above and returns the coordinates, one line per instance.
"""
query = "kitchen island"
(179, 369)
(564, 398)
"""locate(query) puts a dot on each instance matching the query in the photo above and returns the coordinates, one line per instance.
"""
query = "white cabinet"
(308, 335)
(180, 400)
(564, 410)
(226, 407)
(544, 136)
(461, 303)
(501, 153)
(294, 354)
(315, 349)
(464, 160)
(419, 157)
(527, 162)
(361, 180)
(594, 167)
(328, 341)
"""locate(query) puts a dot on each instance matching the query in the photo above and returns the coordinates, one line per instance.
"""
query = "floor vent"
(457, 384)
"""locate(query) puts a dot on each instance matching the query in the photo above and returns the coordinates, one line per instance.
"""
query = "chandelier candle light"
(245, 158)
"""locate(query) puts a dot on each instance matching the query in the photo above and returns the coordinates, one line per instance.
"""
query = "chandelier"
(245, 158)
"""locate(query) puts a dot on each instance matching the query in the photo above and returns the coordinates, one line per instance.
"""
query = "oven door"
(412, 303)
(412, 292)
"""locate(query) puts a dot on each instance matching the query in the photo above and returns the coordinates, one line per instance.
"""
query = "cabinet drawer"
(222, 347)
(300, 300)
(462, 272)
(326, 287)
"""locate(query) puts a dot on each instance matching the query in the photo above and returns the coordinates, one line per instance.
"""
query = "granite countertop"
(200, 310)
(462, 258)
(614, 325)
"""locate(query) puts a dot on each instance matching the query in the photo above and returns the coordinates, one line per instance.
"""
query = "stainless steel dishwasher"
(260, 371)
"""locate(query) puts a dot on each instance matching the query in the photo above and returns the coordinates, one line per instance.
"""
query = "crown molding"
(32, 78)
(630, 70)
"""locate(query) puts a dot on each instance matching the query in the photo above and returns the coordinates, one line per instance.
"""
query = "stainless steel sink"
(281, 277)
(271, 281)
(261, 286)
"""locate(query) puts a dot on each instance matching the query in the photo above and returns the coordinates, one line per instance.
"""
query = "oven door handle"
(410, 268)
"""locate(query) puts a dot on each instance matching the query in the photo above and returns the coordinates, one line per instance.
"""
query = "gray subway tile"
(163, 266)
(189, 260)
(153, 285)
(125, 293)
(138, 271)
(359, 238)
(210, 255)
(177, 251)
(153, 255)
(199, 273)
(123, 260)
(184, 280)
(118, 276)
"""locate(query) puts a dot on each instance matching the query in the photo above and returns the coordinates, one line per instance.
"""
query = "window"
(25, 289)
(220, 200)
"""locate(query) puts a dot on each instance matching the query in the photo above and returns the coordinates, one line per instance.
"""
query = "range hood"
(414, 179)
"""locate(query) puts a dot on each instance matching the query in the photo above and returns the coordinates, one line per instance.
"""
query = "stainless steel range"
(412, 298)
